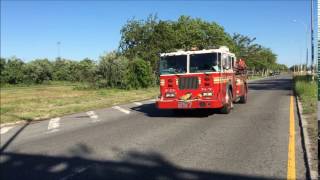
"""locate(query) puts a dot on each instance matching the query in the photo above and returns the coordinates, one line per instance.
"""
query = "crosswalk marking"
(94, 117)
(54, 124)
(138, 103)
(4, 130)
(121, 109)
(90, 113)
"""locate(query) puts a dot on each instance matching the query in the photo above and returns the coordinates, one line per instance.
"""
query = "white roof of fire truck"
(222, 49)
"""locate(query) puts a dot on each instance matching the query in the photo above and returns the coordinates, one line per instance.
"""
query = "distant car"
(277, 73)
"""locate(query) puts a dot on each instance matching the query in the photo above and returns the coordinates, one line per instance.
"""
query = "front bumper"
(191, 104)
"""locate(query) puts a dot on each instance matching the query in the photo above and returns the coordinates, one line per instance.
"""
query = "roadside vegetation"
(135, 64)
(132, 68)
(306, 89)
(36, 102)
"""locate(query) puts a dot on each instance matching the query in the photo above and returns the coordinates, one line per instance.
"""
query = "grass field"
(38, 102)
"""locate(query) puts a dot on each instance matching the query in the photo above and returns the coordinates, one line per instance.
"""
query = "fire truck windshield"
(173, 64)
(204, 62)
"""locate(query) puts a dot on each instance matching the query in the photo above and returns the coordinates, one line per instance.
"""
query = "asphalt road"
(137, 141)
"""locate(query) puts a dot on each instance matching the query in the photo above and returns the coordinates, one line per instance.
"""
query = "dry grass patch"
(47, 101)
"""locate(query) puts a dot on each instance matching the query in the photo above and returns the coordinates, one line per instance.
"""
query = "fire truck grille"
(188, 83)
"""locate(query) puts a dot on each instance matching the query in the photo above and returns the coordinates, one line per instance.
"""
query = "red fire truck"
(208, 78)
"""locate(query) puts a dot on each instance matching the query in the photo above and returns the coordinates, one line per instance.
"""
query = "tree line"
(135, 63)
(147, 38)
(111, 71)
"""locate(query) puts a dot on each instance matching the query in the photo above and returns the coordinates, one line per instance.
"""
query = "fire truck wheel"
(226, 109)
(178, 112)
(243, 99)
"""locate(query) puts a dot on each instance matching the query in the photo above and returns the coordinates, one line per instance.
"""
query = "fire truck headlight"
(170, 95)
(162, 82)
(207, 93)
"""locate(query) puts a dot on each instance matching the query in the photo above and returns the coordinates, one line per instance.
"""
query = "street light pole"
(58, 49)
(312, 47)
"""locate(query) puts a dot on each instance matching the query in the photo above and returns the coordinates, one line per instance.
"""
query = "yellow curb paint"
(291, 171)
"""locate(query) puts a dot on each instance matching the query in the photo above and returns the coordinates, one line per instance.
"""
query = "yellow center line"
(291, 171)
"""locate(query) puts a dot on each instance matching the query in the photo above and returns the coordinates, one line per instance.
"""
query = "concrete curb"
(12, 124)
(262, 78)
(306, 141)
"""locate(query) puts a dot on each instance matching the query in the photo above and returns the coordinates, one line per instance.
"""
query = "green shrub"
(38, 71)
(12, 72)
(61, 70)
(3, 63)
(86, 71)
(139, 74)
(112, 71)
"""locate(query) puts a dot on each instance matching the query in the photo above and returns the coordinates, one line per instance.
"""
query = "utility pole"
(58, 50)
(312, 47)
(307, 61)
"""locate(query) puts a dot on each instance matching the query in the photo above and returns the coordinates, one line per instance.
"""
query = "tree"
(63, 70)
(139, 74)
(147, 38)
(257, 57)
(38, 71)
(86, 71)
(112, 70)
(13, 71)
(3, 63)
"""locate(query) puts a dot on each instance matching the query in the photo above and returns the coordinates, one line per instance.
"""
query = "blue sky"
(32, 29)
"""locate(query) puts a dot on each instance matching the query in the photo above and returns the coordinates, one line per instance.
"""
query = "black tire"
(226, 109)
(243, 99)
(178, 112)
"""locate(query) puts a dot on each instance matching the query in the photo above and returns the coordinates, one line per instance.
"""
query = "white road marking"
(138, 103)
(4, 158)
(75, 172)
(90, 113)
(58, 167)
(93, 116)
(152, 100)
(54, 124)
(4, 130)
(121, 109)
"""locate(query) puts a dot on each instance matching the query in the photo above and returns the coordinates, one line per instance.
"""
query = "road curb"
(12, 124)
(305, 140)
(262, 78)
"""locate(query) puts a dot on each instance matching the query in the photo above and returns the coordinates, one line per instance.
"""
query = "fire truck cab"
(208, 78)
